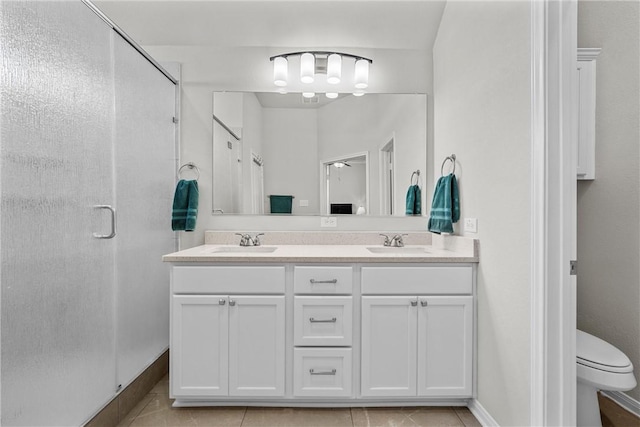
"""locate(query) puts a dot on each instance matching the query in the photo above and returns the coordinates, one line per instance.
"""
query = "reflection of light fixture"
(308, 94)
(331, 95)
(339, 164)
(321, 62)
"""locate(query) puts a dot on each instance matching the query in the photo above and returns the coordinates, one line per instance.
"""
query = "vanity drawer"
(322, 320)
(322, 372)
(236, 280)
(417, 280)
(322, 280)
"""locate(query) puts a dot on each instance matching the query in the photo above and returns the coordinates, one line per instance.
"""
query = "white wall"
(482, 114)
(609, 207)
(291, 164)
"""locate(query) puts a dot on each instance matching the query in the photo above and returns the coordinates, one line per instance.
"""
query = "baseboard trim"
(482, 415)
(624, 400)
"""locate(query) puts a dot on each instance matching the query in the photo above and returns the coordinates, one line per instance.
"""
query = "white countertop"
(322, 253)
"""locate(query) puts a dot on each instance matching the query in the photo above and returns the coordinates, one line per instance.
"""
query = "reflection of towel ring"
(417, 177)
(191, 166)
(453, 160)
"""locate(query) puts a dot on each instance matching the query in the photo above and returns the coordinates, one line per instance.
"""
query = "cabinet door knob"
(424, 303)
(414, 303)
(222, 301)
(232, 302)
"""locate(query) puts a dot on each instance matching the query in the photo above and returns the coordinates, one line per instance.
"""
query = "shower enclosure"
(86, 130)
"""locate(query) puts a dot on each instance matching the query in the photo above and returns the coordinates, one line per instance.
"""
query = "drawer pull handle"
(314, 372)
(332, 320)
(222, 301)
(232, 302)
(414, 303)
(424, 303)
(315, 282)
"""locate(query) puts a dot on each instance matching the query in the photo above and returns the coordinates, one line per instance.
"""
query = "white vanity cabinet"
(319, 333)
(420, 344)
(227, 344)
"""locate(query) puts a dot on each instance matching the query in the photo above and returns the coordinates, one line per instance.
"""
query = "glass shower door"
(145, 180)
(57, 279)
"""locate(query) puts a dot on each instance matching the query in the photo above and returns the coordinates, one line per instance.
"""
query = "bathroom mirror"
(277, 154)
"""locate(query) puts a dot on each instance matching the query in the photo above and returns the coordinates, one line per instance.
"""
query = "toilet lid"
(593, 352)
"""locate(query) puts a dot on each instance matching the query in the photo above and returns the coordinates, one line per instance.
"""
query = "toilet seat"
(598, 354)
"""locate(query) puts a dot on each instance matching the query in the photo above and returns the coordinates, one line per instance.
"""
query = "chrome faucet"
(247, 240)
(393, 241)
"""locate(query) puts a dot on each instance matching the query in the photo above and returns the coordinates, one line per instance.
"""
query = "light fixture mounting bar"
(321, 53)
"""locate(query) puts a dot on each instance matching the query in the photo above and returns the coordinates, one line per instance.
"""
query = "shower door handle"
(113, 222)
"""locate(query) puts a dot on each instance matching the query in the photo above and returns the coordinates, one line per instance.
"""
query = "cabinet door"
(256, 345)
(389, 326)
(445, 346)
(199, 357)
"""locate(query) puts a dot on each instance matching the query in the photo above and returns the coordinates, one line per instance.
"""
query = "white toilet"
(601, 366)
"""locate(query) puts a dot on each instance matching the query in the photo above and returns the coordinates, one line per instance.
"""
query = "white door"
(389, 345)
(445, 346)
(199, 357)
(256, 345)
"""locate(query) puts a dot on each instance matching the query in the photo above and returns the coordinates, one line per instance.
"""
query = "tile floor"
(155, 410)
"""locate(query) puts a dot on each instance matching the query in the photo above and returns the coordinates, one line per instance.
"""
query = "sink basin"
(243, 249)
(397, 250)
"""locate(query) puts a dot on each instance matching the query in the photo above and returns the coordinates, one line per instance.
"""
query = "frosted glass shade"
(280, 71)
(334, 69)
(308, 94)
(361, 77)
(307, 67)
(358, 93)
(331, 95)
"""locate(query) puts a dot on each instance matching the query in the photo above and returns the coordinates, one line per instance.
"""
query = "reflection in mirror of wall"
(270, 148)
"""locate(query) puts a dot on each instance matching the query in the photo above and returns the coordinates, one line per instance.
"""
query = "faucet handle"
(244, 239)
(256, 240)
(398, 239)
(387, 241)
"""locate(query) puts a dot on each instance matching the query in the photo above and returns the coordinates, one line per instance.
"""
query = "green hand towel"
(185, 206)
(445, 208)
(414, 201)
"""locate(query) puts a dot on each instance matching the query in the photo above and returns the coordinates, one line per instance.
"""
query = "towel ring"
(452, 158)
(417, 177)
(191, 166)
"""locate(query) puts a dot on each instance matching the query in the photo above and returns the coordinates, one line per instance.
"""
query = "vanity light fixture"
(331, 95)
(313, 63)
(308, 94)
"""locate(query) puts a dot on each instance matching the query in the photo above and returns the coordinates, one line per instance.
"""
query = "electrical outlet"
(471, 225)
(304, 203)
(328, 221)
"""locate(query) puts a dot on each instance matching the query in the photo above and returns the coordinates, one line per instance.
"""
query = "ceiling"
(228, 43)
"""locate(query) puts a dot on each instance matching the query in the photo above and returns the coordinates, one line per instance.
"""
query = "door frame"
(553, 214)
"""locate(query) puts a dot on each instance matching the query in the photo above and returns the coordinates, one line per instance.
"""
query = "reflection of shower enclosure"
(227, 168)
(386, 177)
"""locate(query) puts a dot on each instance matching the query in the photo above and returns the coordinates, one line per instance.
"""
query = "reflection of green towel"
(185, 206)
(414, 202)
(445, 208)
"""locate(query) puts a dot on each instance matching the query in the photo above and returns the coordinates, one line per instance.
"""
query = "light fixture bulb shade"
(280, 71)
(358, 93)
(307, 67)
(361, 77)
(334, 68)
(308, 94)
(331, 95)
